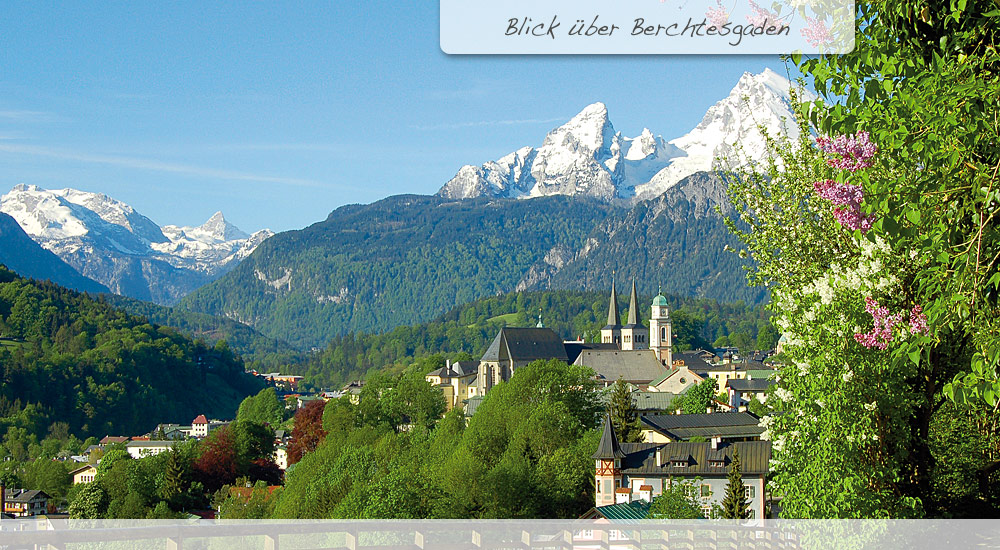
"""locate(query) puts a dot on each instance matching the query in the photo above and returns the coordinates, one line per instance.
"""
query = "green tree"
(698, 398)
(90, 503)
(734, 503)
(624, 415)
(886, 289)
(678, 501)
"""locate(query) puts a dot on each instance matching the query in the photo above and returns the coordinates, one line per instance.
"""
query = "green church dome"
(659, 301)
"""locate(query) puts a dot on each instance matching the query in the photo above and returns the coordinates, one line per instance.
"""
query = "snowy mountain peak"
(104, 239)
(221, 230)
(586, 156)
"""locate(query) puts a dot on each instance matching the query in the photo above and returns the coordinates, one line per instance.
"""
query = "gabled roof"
(640, 458)
(653, 400)
(525, 344)
(200, 420)
(82, 468)
(637, 367)
(608, 448)
(25, 495)
(685, 426)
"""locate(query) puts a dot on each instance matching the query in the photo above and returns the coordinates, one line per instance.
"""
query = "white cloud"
(155, 165)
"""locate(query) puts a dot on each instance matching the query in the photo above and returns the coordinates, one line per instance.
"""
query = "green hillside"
(398, 261)
(408, 259)
(100, 370)
(257, 351)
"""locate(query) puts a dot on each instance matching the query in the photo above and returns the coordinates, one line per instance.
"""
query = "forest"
(72, 361)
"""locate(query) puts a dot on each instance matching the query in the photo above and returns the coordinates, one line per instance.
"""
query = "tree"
(624, 415)
(735, 504)
(175, 479)
(879, 241)
(307, 432)
(698, 398)
(90, 503)
(678, 501)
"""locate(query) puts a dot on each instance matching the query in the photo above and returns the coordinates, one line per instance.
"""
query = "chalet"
(22, 503)
(729, 427)
(629, 472)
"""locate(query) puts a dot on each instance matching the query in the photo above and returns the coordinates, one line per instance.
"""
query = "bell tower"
(660, 338)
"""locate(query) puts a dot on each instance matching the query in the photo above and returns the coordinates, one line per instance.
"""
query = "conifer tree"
(174, 478)
(735, 505)
(624, 414)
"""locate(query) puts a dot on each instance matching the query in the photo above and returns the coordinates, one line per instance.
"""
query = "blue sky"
(277, 113)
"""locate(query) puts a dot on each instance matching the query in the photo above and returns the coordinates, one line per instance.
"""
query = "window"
(706, 490)
(663, 333)
(751, 491)
(751, 513)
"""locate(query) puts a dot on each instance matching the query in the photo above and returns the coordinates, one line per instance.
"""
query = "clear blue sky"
(277, 113)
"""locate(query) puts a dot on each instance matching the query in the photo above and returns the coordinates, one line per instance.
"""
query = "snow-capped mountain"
(110, 242)
(586, 156)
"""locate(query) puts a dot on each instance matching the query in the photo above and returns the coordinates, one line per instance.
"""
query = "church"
(632, 352)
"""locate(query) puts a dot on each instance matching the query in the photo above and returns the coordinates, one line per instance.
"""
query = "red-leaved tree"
(308, 431)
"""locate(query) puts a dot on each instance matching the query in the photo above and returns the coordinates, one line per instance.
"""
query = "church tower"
(660, 338)
(612, 333)
(634, 334)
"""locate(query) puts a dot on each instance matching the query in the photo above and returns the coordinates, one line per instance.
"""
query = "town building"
(142, 449)
(457, 381)
(630, 472)
(84, 474)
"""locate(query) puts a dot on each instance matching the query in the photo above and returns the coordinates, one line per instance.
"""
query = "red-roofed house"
(199, 426)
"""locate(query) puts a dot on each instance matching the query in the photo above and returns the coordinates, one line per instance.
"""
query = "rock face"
(110, 242)
(586, 156)
(28, 259)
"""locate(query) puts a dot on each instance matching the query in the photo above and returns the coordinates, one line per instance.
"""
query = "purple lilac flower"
(881, 333)
(853, 152)
(717, 16)
(847, 199)
(918, 320)
(816, 33)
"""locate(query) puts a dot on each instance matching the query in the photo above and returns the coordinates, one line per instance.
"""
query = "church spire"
(614, 318)
(633, 308)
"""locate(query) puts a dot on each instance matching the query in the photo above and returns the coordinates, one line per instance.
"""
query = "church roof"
(637, 367)
(526, 344)
(574, 349)
(633, 310)
(660, 300)
(608, 448)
